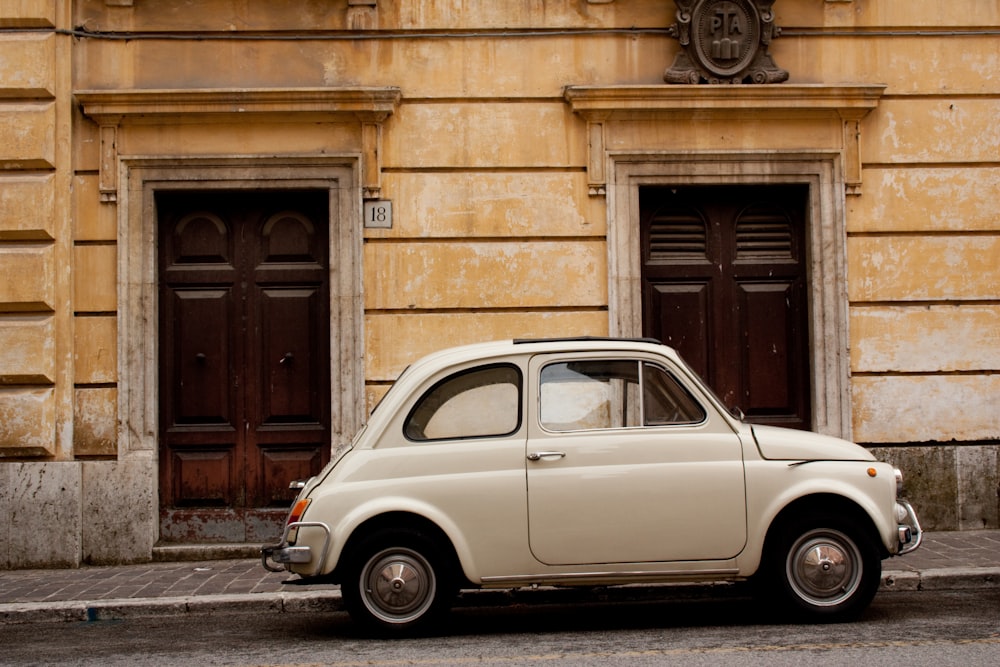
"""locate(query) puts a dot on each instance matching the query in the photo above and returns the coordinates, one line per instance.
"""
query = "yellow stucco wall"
(483, 162)
(495, 231)
(482, 146)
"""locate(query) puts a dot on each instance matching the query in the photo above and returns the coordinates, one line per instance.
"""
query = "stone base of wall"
(120, 511)
(40, 514)
(69, 513)
(952, 486)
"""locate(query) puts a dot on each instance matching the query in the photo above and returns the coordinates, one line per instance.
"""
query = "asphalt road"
(909, 629)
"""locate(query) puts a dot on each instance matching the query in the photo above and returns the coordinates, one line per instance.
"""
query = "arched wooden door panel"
(244, 362)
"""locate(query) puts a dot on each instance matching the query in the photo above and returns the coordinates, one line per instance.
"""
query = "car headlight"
(899, 480)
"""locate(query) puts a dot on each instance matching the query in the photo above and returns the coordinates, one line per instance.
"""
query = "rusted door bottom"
(203, 525)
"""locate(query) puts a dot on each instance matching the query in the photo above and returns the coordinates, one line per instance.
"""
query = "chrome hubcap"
(398, 585)
(824, 567)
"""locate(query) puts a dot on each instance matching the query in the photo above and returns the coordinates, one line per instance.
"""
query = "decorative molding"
(371, 148)
(108, 179)
(852, 155)
(362, 15)
(596, 175)
(223, 104)
(724, 41)
(846, 105)
(112, 109)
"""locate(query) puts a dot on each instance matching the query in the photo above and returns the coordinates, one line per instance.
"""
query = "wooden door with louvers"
(244, 359)
(725, 283)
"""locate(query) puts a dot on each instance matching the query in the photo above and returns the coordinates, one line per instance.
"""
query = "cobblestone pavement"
(965, 559)
(960, 549)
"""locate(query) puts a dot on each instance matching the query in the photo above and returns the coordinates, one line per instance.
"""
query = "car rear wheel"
(397, 584)
(824, 567)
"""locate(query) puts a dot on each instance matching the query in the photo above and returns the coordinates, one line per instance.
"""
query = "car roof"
(499, 351)
(521, 346)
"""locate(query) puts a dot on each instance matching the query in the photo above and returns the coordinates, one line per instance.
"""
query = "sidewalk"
(946, 560)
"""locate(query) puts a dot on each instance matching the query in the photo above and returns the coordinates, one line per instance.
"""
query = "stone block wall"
(30, 227)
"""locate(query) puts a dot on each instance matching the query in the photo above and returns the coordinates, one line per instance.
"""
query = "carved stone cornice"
(843, 104)
(179, 105)
(630, 102)
(113, 108)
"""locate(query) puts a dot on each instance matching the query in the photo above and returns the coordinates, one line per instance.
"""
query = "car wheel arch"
(404, 523)
(820, 560)
(822, 504)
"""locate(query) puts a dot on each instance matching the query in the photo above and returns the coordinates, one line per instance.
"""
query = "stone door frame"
(141, 178)
(826, 241)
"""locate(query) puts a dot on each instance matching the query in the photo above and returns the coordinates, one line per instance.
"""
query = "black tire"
(396, 583)
(822, 568)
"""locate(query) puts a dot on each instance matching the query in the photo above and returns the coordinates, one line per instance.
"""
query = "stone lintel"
(631, 102)
(198, 105)
(844, 104)
(114, 109)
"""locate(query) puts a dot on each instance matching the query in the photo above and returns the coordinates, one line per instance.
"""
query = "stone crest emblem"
(724, 41)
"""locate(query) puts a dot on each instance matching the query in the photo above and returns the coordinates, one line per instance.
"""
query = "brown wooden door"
(724, 282)
(244, 362)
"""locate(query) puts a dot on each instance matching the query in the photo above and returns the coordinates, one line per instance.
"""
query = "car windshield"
(733, 410)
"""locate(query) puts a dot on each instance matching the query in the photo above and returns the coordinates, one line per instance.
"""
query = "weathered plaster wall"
(924, 250)
(39, 499)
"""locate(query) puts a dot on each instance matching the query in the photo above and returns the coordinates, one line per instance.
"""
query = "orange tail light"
(298, 510)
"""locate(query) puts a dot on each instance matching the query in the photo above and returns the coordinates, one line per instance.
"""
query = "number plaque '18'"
(378, 214)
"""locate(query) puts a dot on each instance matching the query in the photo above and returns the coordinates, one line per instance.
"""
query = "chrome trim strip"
(626, 577)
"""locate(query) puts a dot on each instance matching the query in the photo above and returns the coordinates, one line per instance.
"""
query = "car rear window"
(477, 403)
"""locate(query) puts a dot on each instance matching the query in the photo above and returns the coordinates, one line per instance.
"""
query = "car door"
(626, 465)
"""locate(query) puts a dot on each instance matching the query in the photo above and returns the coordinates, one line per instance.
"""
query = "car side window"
(605, 394)
(481, 402)
(589, 394)
(667, 401)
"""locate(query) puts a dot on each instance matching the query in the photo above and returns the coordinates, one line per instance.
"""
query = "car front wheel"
(396, 584)
(827, 569)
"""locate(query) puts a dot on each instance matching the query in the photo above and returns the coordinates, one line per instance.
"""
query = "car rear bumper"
(277, 557)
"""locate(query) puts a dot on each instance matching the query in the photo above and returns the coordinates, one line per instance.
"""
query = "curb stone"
(899, 581)
(960, 578)
(119, 609)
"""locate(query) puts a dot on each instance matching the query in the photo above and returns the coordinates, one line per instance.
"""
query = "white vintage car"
(585, 462)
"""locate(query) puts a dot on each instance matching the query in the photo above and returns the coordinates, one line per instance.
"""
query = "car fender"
(374, 508)
(770, 492)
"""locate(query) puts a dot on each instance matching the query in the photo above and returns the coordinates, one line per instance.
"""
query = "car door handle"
(538, 456)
